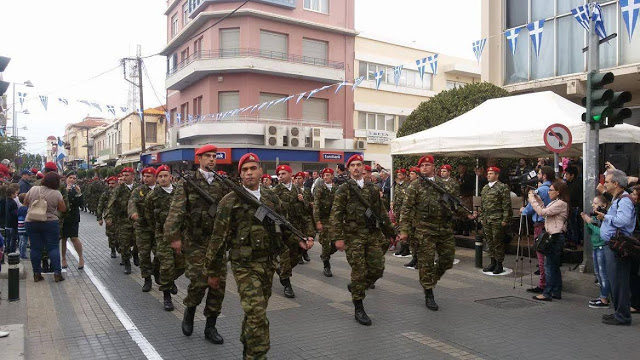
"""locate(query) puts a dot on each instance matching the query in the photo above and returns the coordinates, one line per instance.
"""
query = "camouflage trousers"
(112, 236)
(441, 242)
(494, 235)
(126, 242)
(289, 257)
(366, 259)
(146, 245)
(254, 280)
(198, 285)
(328, 246)
(172, 265)
(413, 243)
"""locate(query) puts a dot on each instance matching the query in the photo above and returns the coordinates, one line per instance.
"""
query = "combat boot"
(113, 253)
(360, 315)
(327, 268)
(499, 269)
(406, 252)
(156, 276)
(491, 266)
(127, 267)
(305, 256)
(288, 290)
(210, 331)
(136, 259)
(412, 264)
(168, 304)
(400, 250)
(429, 300)
(147, 284)
(174, 289)
(187, 320)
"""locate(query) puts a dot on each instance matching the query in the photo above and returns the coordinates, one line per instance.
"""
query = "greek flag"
(378, 77)
(139, 113)
(84, 102)
(344, 83)
(190, 118)
(21, 97)
(357, 82)
(124, 109)
(61, 151)
(262, 105)
(433, 62)
(178, 118)
(581, 14)
(512, 38)
(535, 31)
(112, 110)
(45, 101)
(478, 47)
(167, 116)
(312, 92)
(300, 97)
(422, 65)
(630, 11)
(397, 72)
(598, 20)
(97, 106)
(268, 105)
(289, 98)
(64, 101)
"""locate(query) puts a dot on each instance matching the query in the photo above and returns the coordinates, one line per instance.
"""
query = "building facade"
(78, 140)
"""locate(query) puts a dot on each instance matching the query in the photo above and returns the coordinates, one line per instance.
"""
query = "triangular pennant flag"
(167, 116)
(64, 101)
(535, 32)
(253, 108)
(433, 62)
(45, 101)
(245, 109)
(281, 100)
(422, 66)
(178, 118)
(262, 105)
(289, 98)
(190, 117)
(124, 109)
(512, 38)
(344, 83)
(141, 115)
(270, 104)
(357, 82)
(97, 106)
(598, 20)
(21, 97)
(478, 47)
(630, 10)
(111, 109)
(84, 102)
(378, 77)
(300, 96)
(397, 73)
(581, 14)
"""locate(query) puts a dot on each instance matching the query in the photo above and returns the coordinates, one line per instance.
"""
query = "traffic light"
(4, 61)
(618, 111)
(596, 101)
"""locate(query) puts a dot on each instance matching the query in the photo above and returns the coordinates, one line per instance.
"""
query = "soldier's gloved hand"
(504, 223)
(340, 245)
(100, 222)
(403, 237)
(214, 282)
(177, 246)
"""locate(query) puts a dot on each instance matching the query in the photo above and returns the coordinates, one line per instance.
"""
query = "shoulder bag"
(38, 208)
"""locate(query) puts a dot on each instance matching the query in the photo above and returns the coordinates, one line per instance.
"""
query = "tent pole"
(477, 177)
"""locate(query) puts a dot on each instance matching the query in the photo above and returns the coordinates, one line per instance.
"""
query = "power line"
(144, 67)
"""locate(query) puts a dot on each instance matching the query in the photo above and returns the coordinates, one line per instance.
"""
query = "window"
(228, 100)
(151, 132)
(197, 106)
(229, 42)
(316, 110)
(172, 63)
(317, 5)
(401, 120)
(273, 45)
(373, 121)
(172, 120)
(174, 25)
(197, 47)
(455, 84)
(314, 51)
(184, 111)
(185, 13)
(517, 13)
(408, 78)
(277, 111)
(184, 55)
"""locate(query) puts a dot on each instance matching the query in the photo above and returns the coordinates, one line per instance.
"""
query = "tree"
(441, 108)
(82, 173)
(10, 147)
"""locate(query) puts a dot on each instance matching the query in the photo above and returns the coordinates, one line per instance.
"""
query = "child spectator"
(22, 232)
(9, 213)
(600, 204)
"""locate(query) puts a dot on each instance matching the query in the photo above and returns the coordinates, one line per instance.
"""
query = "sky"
(72, 49)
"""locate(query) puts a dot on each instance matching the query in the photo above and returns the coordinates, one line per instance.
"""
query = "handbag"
(38, 208)
(625, 246)
(542, 243)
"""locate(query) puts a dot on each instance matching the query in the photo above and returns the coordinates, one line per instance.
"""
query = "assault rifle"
(446, 196)
(369, 213)
(205, 195)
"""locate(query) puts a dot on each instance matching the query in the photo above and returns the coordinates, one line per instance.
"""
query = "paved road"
(100, 313)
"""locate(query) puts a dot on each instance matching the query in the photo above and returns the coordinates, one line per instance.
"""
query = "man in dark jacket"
(25, 184)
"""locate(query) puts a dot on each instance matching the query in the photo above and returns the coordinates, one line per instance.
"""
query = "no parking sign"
(557, 138)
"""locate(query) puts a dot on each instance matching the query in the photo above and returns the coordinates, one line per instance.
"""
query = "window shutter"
(229, 100)
(314, 51)
(229, 42)
(278, 111)
(273, 45)
(316, 110)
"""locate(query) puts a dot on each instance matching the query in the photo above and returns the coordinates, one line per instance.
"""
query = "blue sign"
(331, 156)
(221, 156)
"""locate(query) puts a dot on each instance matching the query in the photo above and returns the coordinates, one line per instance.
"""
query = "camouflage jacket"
(237, 229)
(116, 212)
(296, 211)
(496, 203)
(348, 213)
(426, 210)
(189, 219)
(135, 205)
(323, 201)
(156, 209)
(399, 193)
(102, 203)
(96, 188)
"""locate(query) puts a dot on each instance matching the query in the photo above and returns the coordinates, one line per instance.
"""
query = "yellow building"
(76, 136)
(380, 113)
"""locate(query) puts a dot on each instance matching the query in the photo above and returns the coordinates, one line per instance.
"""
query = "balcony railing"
(254, 53)
(257, 119)
(105, 152)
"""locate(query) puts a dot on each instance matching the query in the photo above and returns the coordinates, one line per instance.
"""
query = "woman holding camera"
(555, 224)
(71, 222)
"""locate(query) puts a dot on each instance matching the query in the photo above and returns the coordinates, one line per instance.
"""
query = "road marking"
(144, 345)
(440, 346)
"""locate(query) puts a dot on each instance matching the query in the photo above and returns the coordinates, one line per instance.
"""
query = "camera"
(600, 209)
(530, 178)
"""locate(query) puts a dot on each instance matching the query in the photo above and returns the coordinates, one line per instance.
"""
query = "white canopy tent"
(509, 127)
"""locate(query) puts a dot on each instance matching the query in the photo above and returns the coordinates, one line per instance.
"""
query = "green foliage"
(82, 173)
(91, 173)
(104, 172)
(118, 169)
(10, 147)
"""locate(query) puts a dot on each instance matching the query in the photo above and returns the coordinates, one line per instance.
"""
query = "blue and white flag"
(270, 104)
(21, 97)
(315, 91)
(167, 115)
(397, 73)
(535, 31)
(112, 110)
(84, 102)
(433, 62)
(124, 109)
(598, 20)
(344, 83)
(245, 109)
(140, 114)
(44, 100)
(512, 38)
(357, 82)
(178, 118)
(581, 14)
(254, 108)
(288, 98)
(262, 105)
(422, 66)
(61, 151)
(630, 11)
(478, 47)
(97, 106)
(281, 100)
(64, 101)
(378, 77)
(300, 96)
(190, 117)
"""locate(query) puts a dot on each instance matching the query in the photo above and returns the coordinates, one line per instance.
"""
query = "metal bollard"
(478, 250)
(14, 276)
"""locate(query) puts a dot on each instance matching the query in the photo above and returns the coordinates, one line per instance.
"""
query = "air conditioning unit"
(296, 136)
(274, 135)
(317, 138)
(360, 144)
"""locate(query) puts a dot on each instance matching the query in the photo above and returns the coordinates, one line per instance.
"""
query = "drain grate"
(509, 302)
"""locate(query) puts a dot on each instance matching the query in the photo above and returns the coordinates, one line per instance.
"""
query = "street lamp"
(15, 120)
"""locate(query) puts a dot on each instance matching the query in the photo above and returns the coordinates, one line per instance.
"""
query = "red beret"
(39, 175)
(248, 157)
(265, 176)
(149, 170)
(414, 169)
(222, 173)
(284, 168)
(355, 157)
(494, 169)
(300, 174)
(127, 169)
(206, 149)
(327, 170)
(401, 171)
(162, 168)
(446, 166)
(34, 171)
(367, 168)
(50, 165)
(425, 159)
(112, 178)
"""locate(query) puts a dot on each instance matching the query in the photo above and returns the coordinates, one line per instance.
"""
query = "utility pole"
(138, 84)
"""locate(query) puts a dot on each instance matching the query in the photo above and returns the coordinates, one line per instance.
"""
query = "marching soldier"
(495, 213)
(156, 205)
(413, 244)
(323, 196)
(266, 181)
(97, 188)
(431, 215)
(117, 216)
(399, 188)
(145, 241)
(191, 220)
(308, 205)
(294, 209)
(112, 236)
(253, 247)
(358, 234)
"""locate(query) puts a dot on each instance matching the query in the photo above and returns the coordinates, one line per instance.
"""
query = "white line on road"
(144, 345)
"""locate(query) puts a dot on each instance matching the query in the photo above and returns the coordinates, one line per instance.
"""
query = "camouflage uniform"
(361, 235)
(297, 213)
(322, 203)
(145, 241)
(425, 209)
(253, 247)
(156, 210)
(112, 235)
(96, 188)
(116, 214)
(495, 208)
(189, 221)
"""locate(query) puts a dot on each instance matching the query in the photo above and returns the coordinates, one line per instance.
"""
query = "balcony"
(105, 152)
(201, 64)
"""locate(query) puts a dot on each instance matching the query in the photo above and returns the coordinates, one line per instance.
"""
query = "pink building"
(266, 50)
